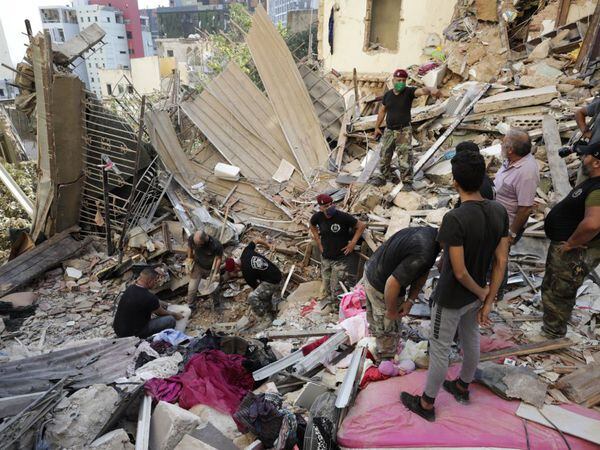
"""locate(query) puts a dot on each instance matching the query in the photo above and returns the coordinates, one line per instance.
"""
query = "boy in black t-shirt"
(336, 234)
(472, 236)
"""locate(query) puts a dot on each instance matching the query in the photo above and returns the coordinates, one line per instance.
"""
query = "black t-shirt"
(256, 268)
(486, 190)
(134, 310)
(478, 228)
(397, 108)
(407, 255)
(566, 216)
(335, 232)
(204, 255)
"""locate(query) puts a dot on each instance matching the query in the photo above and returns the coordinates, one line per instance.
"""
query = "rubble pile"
(249, 171)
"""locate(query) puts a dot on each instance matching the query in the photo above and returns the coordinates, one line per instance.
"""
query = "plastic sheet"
(378, 419)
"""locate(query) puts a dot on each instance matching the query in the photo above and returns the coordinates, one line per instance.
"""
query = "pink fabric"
(210, 378)
(378, 419)
(356, 327)
(492, 343)
(352, 303)
(307, 309)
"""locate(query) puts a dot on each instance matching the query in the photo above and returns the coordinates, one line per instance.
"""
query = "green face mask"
(399, 86)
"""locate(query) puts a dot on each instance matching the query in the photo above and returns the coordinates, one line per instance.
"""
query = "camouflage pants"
(400, 142)
(332, 272)
(385, 331)
(565, 273)
(264, 298)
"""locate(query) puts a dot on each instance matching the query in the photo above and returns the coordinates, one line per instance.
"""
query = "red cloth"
(210, 378)
(307, 309)
(314, 344)
(372, 374)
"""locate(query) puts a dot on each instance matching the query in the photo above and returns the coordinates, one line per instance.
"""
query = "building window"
(122, 52)
(92, 79)
(131, 51)
(60, 35)
(382, 25)
(129, 35)
(89, 19)
(108, 19)
(121, 89)
(130, 89)
(95, 18)
(108, 88)
(169, 52)
(1, 92)
(120, 37)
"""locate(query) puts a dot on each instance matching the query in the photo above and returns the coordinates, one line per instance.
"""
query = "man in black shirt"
(261, 275)
(403, 260)
(395, 109)
(472, 236)
(136, 306)
(573, 227)
(204, 253)
(336, 234)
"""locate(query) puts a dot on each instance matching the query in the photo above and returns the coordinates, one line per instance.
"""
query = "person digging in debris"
(261, 275)
(136, 306)
(403, 260)
(473, 236)
(204, 253)
(336, 233)
(397, 137)
(573, 227)
(516, 183)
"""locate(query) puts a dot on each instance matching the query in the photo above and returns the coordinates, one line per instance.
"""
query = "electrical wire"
(556, 428)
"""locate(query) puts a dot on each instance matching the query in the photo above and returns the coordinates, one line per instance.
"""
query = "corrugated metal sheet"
(99, 362)
(252, 206)
(287, 93)
(236, 91)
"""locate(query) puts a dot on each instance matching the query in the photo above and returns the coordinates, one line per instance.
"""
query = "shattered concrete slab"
(114, 440)
(169, 424)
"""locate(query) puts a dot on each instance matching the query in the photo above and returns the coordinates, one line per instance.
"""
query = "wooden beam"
(528, 349)
(590, 41)
(558, 168)
(582, 384)
(563, 13)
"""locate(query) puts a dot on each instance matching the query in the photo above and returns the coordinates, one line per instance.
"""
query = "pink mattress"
(379, 420)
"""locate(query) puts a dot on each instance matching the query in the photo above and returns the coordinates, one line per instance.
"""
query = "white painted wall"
(418, 18)
(145, 74)
(114, 78)
(115, 53)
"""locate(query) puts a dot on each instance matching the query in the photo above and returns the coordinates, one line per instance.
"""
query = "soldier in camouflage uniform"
(336, 234)
(260, 274)
(573, 226)
(395, 109)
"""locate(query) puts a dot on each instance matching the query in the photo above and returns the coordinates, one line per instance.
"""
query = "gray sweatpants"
(444, 322)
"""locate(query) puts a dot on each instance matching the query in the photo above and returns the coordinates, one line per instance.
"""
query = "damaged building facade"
(123, 180)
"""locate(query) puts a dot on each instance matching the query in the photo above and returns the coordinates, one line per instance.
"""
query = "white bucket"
(227, 172)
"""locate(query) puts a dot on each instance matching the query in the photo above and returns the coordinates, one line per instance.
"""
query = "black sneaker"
(413, 402)
(460, 396)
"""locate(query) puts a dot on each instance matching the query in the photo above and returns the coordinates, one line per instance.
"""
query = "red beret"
(229, 265)
(324, 199)
(400, 73)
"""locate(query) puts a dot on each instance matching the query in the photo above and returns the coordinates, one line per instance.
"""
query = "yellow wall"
(167, 64)
(418, 18)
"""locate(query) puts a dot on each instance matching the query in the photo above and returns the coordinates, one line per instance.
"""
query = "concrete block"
(169, 424)
(410, 201)
(191, 443)
(222, 422)
(115, 440)
(80, 417)
(308, 395)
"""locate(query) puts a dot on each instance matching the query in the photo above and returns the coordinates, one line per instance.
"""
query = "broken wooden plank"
(438, 143)
(287, 93)
(343, 138)
(528, 349)
(582, 384)
(516, 99)
(558, 168)
(562, 13)
(34, 263)
(552, 416)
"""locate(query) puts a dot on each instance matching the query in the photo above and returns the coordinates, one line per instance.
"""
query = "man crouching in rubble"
(472, 236)
(136, 306)
(204, 253)
(573, 227)
(397, 137)
(336, 234)
(403, 260)
(261, 275)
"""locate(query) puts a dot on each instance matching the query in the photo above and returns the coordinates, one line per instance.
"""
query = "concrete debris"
(114, 440)
(169, 425)
(79, 418)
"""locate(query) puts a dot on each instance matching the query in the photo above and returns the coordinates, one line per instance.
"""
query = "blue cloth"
(171, 336)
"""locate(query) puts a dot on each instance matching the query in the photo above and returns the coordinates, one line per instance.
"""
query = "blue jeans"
(156, 325)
